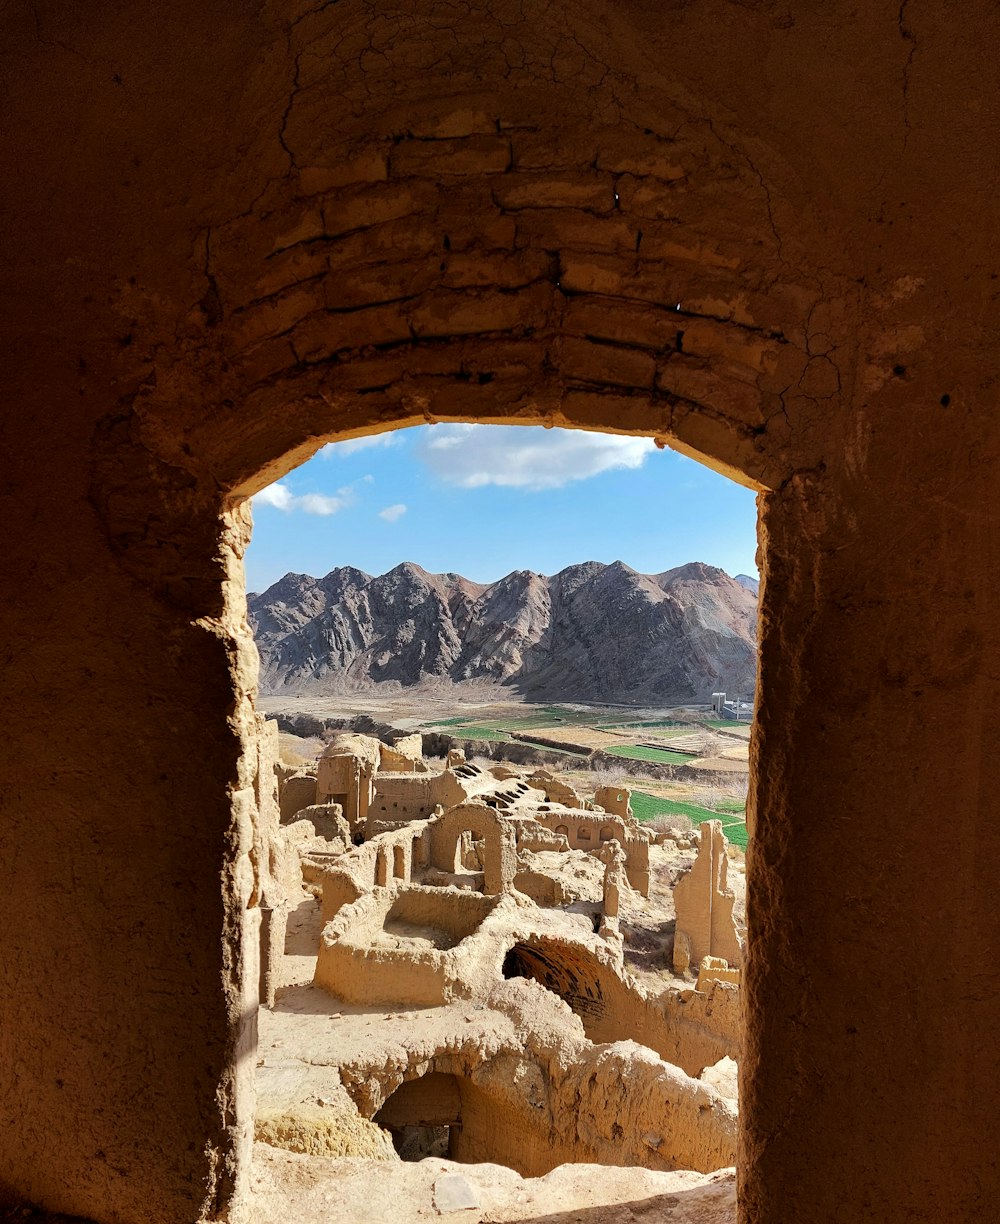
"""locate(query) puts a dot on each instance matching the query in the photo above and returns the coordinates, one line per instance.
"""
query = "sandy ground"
(317, 1190)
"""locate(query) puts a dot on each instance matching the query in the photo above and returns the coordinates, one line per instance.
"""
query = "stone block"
(553, 150)
(325, 332)
(290, 267)
(441, 158)
(662, 240)
(456, 313)
(440, 121)
(538, 190)
(569, 229)
(369, 165)
(366, 285)
(276, 315)
(637, 154)
(625, 322)
(709, 339)
(646, 197)
(709, 385)
(309, 226)
(502, 269)
(606, 363)
(591, 274)
(262, 361)
(361, 207)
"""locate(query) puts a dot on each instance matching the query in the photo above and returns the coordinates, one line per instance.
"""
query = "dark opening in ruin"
(424, 1117)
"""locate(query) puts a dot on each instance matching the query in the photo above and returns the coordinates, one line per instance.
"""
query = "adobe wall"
(413, 796)
(388, 859)
(614, 799)
(345, 775)
(555, 1098)
(690, 1029)
(591, 831)
(704, 902)
(500, 850)
(297, 792)
(359, 964)
(832, 243)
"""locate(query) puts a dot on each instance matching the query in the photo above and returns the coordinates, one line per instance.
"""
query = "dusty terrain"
(318, 1189)
(494, 982)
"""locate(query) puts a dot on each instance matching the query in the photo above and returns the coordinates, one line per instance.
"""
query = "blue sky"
(482, 500)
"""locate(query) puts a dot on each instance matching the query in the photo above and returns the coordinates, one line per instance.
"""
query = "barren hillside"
(592, 632)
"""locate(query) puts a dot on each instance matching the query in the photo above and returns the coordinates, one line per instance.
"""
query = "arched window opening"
(465, 824)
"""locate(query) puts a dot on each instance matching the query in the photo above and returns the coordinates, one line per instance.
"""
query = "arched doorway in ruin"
(499, 852)
(470, 1115)
(572, 973)
(451, 256)
(424, 1116)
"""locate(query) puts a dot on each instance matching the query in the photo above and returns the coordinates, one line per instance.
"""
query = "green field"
(667, 724)
(648, 807)
(637, 752)
(725, 724)
(479, 731)
(547, 716)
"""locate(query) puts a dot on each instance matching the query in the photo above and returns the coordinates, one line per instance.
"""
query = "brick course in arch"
(632, 283)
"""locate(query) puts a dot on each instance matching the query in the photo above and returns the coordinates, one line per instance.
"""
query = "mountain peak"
(592, 632)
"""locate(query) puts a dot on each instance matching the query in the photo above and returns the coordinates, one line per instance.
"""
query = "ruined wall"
(591, 831)
(768, 235)
(614, 799)
(499, 855)
(533, 1095)
(387, 859)
(704, 902)
(413, 796)
(689, 1029)
(296, 792)
(404, 756)
(365, 955)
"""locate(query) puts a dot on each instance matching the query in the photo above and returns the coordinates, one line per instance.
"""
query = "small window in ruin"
(583, 834)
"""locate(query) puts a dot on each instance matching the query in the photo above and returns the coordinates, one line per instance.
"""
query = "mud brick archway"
(764, 234)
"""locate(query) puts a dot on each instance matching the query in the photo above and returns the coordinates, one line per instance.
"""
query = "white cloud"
(277, 495)
(351, 445)
(318, 503)
(392, 513)
(282, 498)
(520, 457)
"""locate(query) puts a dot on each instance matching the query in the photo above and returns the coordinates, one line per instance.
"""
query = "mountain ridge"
(591, 632)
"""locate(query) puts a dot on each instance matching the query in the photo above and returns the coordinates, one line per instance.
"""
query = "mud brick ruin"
(470, 887)
(765, 234)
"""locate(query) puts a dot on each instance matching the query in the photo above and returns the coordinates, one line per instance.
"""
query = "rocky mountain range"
(592, 632)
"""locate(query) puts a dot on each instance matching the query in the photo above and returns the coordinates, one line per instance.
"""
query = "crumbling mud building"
(499, 946)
